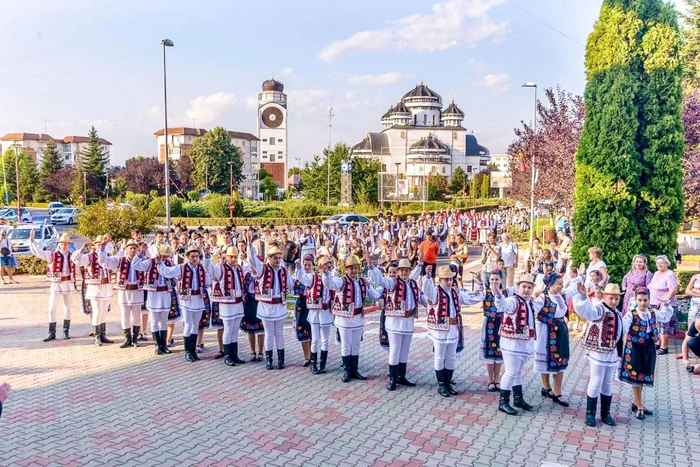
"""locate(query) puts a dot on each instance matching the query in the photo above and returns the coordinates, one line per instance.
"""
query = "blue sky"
(82, 62)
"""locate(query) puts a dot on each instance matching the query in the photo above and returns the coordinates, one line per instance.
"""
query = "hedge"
(683, 279)
(30, 265)
(248, 221)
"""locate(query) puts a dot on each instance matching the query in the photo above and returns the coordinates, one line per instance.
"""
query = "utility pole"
(19, 204)
(230, 182)
(328, 156)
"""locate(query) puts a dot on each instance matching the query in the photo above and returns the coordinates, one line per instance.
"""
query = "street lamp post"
(532, 181)
(4, 181)
(19, 204)
(166, 43)
(328, 157)
(230, 183)
(84, 189)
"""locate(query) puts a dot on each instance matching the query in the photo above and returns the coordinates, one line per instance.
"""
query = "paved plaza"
(77, 404)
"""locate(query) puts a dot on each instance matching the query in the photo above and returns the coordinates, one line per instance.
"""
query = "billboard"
(501, 179)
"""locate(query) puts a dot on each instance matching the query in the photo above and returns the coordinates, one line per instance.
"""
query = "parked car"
(346, 219)
(46, 237)
(54, 207)
(11, 215)
(66, 216)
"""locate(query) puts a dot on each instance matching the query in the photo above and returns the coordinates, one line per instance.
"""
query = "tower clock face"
(272, 117)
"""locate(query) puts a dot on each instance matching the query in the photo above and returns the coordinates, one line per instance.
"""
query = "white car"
(346, 219)
(54, 207)
(46, 238)
(11, 215)
(65, 216)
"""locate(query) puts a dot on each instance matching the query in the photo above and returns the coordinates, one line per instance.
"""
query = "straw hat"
(231, 251)
(192, 249)
(132, 242)
(323, 260)
(351, 261)
(611, 289)
(444, 272)
(164, 250)
(525, 278)
(65, 238)
(404, 263)
(272, 251)
(98, 239)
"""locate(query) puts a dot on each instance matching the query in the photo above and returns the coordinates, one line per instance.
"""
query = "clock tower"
(272, 130)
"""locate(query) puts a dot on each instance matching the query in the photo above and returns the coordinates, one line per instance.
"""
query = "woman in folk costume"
(61, 273)
(517, 334)
(444, 306)
(603, 340)
(273, 284)
(638, 362)
(320, 317)
(400, 310)
(302, 325)
(130, 281)
(348, 308)
(99, 291)
(490, 352)
(228, 292)
(250, 323)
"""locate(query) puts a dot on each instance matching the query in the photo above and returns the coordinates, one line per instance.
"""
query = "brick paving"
(77, 404)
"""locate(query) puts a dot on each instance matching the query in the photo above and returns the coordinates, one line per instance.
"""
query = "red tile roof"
(82, 139)
(241, 135)
(180, 131)
(26, 137)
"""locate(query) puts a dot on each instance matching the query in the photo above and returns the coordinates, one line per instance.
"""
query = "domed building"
(420, 138)
(272, 130)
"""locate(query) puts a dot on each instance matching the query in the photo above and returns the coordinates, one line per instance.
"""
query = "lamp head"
(528, 84)
(167, 42)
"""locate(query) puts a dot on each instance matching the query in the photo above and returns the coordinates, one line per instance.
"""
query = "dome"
(429, 144)
(272, 85)
(422, 90)
(388, 112)
(400, 109)
(452, 109)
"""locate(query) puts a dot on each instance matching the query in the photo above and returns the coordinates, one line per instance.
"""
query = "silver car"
(46, 238)
(66, 216)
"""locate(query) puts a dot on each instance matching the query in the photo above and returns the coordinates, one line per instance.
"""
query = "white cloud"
(451, 23)
(251, 102)
(206, 109)
(498, 82)
(476, 65)
(154, 112)
(306, 101)
(387, 78)
(287, 72)
(352, 101)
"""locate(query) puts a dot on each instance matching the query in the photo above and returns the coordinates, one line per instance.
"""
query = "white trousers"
(513, 366)
(231, 330)
(274, 333)
(192, 319)
(445, 355)
(319, 337)
(350, 341)
(399, 345)
(99, 311)
(131, 315)
(158, 320)
(601, 381)
(56, 300)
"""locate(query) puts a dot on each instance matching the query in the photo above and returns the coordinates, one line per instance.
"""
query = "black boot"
(227, 352)
(605, 402)
(448, 382)
(280, 359)
(504, 403)
(591, 409)
(393, 376)
(159, 346)
(66, 328)
(163, 341)
(268, 359)
(347, 374)
(103, 335)
(135, 335)
(97, 332)
(314, 361)
(324, 358)
(355, 372)
(234, 354)
(193, 346)
(402, 376)
(442, 389)
(188, 349)
(518, 400)
(52, 332)
(127, 339)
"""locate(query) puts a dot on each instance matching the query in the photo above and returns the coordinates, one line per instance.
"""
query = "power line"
(546, 24)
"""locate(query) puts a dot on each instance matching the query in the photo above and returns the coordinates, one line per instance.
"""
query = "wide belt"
(131, 287)
(66, 278)
(275, 301)
(162, 288)
(453, 321)
(196, 292)
(237, 300)
(104, 280)
(357, 311)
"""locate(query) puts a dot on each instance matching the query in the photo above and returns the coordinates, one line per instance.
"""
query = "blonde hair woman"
(639, 276)
(597, 264)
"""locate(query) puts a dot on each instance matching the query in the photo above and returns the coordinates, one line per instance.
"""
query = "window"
(279, 152)
(242, 144)
(272, 140)
(272, 158)
(469, 169)
(264, 140)
(383, 167)
(415, 119)
(443, 170)
(66, 147)
(433, 120)
(264, 152)
(425, 119)
(279, 140)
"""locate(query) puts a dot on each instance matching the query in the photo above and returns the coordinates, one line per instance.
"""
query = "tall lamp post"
(328, 157)
(166, 43)
(230, 184)
(19, 204)
(532, 181)
(4, 181)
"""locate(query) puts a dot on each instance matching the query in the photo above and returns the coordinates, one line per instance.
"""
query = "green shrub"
(218, 205)
(261, 209)
(244, 221)
(683, 279)
(118, 221)
(157, 206)
(300, 208)
(30, 265)
(195, 210)
(137, 200)
(193, 196)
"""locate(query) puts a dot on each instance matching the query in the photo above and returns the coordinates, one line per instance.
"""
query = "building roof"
(400, 108)
(475, 149)
(421, 90)
(26, 137)
(273, 85)
(180, 131)
(388, 112)
(429, 143)
(373, 144)
(452, 109)
(82, 139)
(242, 135)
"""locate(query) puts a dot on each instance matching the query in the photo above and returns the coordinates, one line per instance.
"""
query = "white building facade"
(272, 131)
(34, 144)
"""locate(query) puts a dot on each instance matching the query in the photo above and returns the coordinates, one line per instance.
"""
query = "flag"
(521, 163)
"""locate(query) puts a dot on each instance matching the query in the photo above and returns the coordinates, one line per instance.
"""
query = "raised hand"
(581, 289)
(428, 270)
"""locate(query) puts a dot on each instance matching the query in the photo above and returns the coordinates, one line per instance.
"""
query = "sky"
(72, 64)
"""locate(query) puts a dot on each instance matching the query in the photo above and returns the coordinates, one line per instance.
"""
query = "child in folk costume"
(61, 273)
(490, 352)
(400, 310)
(517, 335)
(603, 340)
(250, 324)
(639, 355)
(273, 283)
(348, 308)
(228, 292)
(301, 309)
(211, 316)
(444, 306)
(99, 291)
(320, 317)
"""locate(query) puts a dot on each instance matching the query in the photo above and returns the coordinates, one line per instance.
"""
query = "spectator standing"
(428, 249)
(509, 254)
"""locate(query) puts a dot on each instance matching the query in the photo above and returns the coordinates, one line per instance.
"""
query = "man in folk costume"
(603, 340)
(130, 281)
(61, 273)
(227, 291)
(400, 309)
(318, 300)
(348, 308)
(99, 290)
(192, 283)
(272, 284)
(444, 306)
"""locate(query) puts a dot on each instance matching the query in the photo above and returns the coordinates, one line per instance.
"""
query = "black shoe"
(324, 359)
(234, 354)
(142, 336)
(557, 400)
(280, 359)
(253, 357)
(103, 335)
(52, 332)
(546, 392)
(195, 348)
(662, 351)
(640, 415)
(268, 359)
(220, 355)
(605, 403)
(518, 400)
(591, 409)
(314, 366)
(156, 339)
(188, 349)
(66, 329)
(646, 411)
(442, 389)
(135, 330)
(127, 339)
(97, 332)
(448, 382)
(504, 403)
(307, 363)
(163, 344)
(492, 387)
(227, 351)
(402, 376)
(347, 374)
(355, 361)
(393, 376)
